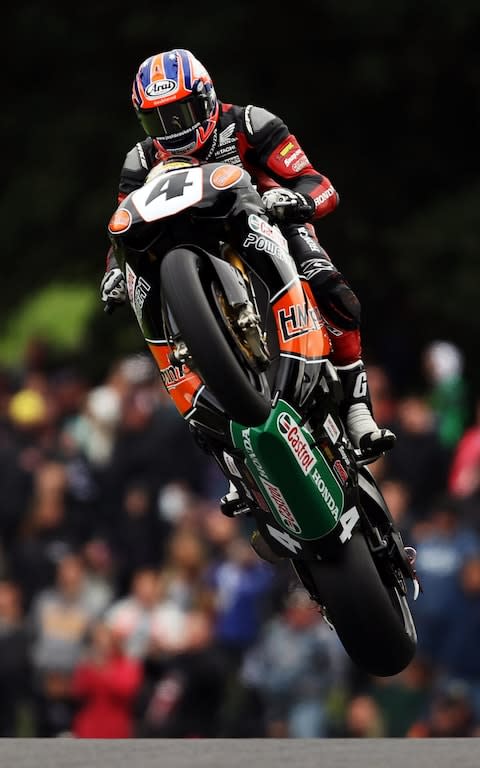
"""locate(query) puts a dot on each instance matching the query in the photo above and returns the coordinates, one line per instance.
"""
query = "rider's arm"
(277, 153)
(138, 162)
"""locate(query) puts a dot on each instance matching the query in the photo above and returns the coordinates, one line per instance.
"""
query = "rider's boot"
(357, 413)
(231, 505)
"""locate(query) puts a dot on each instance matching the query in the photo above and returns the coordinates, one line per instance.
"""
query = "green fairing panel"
(293, 476)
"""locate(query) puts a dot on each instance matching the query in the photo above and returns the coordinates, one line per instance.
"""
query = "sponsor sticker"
(131, 278)
(300, 164)
(225, 176)
(247, 442)
(227, 135)
(325, 493)
(295, 440)
(268, 238)
(142, 289)
(294, 156)
(341, 471)
(324, 196)
(286, 515)
(268, 230)
(331, 429)
(182, 384)
(298, 319)
(159, 88)
(286, 149)
(230, 463)
(263, 243)
(172, 375)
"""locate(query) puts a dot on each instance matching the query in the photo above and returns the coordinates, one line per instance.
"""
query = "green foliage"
(59, 313)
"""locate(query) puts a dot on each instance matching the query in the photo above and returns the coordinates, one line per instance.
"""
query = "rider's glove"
(284, 205)
(113, 286)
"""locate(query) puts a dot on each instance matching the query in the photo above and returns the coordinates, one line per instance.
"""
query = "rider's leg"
(341, 310)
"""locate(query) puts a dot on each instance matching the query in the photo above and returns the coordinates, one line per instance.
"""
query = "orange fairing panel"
(300, 326)
(182, 384)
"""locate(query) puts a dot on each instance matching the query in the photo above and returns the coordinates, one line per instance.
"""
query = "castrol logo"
(293, 436)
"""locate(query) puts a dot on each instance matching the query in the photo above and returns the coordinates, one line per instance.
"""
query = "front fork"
(236, 302)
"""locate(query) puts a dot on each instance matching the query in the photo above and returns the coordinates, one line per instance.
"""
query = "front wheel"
(373, 623)
(188, 287)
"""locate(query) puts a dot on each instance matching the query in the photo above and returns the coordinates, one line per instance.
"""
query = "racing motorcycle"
(243, 352)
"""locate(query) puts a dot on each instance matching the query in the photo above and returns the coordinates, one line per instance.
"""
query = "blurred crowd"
(131, 607)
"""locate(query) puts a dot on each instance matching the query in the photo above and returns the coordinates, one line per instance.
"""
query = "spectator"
(419, 459)
(447, 395)
(154, 447)
(443, 544)
(464, 474)
(241, 583)
(94, 430)
(295, 666)
(404, 698)
(161, 564)
(15, 667)
(101, 574)
(105, 684)
(397, 497)
(183, 692)
(381, 393)
(136, 539)
(183, 572)
(459, 656)
(45, 537)
(133, 616)
(450, 715)
(363, 718)
(60, 619)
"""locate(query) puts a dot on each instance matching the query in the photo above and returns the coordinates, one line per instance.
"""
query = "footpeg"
(231, 505)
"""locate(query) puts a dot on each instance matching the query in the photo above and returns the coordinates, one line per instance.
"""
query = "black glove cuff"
(305, 208)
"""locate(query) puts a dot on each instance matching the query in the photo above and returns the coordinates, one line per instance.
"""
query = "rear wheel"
(373, 623)
(191, 292)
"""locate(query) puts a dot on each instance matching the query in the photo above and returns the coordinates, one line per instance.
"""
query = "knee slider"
(340, 305)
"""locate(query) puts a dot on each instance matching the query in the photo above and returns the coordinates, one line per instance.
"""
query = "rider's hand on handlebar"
(286, 206)
(113, 287)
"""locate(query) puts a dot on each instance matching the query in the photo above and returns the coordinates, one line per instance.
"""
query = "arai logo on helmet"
(160, 88)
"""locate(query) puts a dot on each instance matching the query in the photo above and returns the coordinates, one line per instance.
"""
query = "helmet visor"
(172, 121)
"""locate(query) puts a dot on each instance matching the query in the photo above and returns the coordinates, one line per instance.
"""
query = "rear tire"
(373, 623)
(184, 287)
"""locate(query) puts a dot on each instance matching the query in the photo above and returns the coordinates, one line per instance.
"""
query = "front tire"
(244, 395)
(373, 623)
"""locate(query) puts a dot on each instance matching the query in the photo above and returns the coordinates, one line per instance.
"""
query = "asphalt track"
(240, 753)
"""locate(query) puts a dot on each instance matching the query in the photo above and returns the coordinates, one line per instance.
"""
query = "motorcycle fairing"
(183, 385)
(282, 454)
(300, 326)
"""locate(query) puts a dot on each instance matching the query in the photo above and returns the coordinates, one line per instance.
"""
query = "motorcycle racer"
(175, 101)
